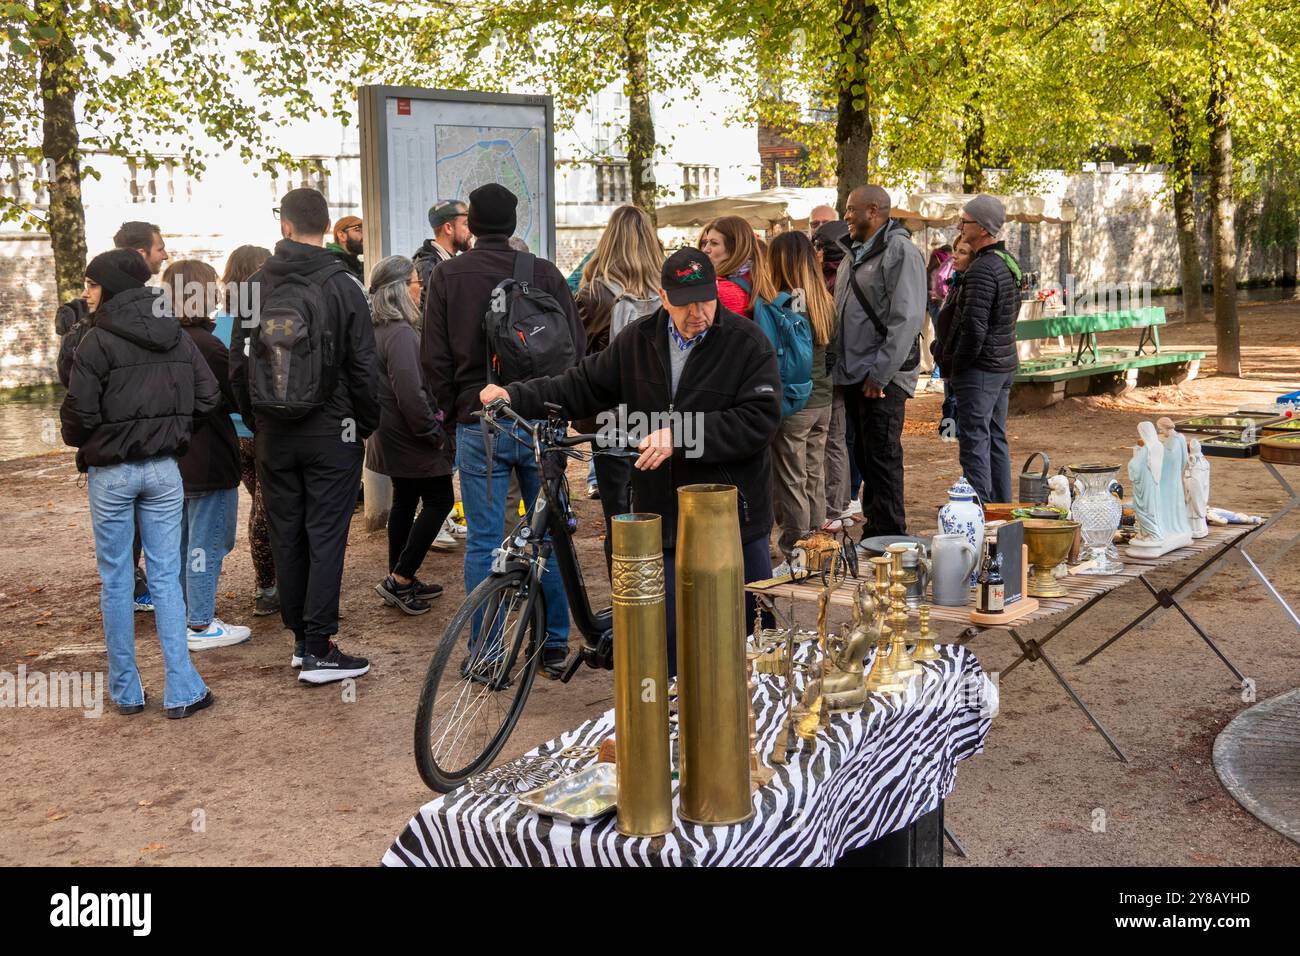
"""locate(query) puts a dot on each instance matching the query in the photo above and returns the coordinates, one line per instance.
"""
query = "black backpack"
(527, 334)
(291, 350)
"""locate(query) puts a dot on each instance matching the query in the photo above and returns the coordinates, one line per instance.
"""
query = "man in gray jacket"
(880, 299)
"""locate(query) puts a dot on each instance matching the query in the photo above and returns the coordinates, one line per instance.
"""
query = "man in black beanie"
(454, 357)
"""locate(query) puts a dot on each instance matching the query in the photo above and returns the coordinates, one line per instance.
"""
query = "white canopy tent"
(944, 209)
(762, 210)
(787, 205)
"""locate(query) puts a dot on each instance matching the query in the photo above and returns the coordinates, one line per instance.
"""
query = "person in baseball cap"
(697, 390)
(348, 244)
(687, 277)
(449, 220)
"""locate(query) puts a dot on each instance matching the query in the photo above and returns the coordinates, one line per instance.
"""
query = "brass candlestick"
(899, 659)
(882, 677)
(924, 650)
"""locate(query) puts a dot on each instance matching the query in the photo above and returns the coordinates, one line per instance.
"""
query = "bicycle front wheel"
(479, 679)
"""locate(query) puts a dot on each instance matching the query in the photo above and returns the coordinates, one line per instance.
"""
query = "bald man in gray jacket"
(880, 299)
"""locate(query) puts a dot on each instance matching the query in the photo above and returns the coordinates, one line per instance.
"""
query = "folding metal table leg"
(956, 844)
(1167, 599)
(1204, 571)
(1034, 651)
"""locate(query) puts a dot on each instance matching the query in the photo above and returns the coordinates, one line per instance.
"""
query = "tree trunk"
(972, 149)
(1189, 256)
(853, 127)
(1223, 239)
(640, 125)
(59, 146)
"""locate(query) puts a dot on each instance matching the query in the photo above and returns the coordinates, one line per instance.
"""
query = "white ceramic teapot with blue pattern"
(963, 514)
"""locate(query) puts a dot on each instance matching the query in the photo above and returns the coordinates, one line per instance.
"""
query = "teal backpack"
(791, 336)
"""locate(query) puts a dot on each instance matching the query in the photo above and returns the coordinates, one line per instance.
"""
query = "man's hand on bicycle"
(492, 393)
(656, 448)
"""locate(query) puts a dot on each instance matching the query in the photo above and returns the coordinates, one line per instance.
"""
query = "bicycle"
(490, 652)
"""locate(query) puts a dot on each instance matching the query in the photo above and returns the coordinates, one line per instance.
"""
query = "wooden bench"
(1088, 369)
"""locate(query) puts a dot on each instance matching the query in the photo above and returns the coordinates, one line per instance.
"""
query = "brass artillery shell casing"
(645, 789)
(712, 679)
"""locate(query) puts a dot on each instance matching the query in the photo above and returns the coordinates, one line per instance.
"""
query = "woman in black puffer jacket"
(135, 387)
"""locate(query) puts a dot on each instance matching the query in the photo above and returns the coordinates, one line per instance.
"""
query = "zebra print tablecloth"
(873, 772)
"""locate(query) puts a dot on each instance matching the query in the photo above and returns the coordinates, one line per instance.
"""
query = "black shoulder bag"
(913, 357)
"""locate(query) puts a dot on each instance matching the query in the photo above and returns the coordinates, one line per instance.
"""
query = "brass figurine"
(842, 668)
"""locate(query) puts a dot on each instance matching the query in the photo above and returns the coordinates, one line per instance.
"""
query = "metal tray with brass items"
(581, 797)
(1280, 449)
(1229, 446)
(1234, 424)
(1288, 426)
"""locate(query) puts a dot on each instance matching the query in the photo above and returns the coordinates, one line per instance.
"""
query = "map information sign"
(431, 145)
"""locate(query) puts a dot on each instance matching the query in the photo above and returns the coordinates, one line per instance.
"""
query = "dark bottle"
(990, 595)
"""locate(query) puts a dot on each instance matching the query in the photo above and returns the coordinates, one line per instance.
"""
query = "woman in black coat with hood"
(136, 385)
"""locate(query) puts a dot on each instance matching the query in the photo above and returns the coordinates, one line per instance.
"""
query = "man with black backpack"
(880, 299)
(495, 315)
(304, 373)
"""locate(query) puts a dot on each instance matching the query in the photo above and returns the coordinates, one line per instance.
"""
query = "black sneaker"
(553, 661)
(334, 666)
(126, 710)
(401, 596)
(299, 649)
(486, 671)
(178, 713)
(426, 592)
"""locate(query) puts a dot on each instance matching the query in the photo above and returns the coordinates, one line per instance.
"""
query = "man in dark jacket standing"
(453, 353)
(981, 351)
(691, 359)
(135, 388)
(310, 467)
(880, 298)
(449, 220)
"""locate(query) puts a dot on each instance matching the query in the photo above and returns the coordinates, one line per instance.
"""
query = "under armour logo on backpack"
(285, 326)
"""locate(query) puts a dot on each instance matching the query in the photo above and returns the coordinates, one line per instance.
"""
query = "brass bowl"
(1049, 543)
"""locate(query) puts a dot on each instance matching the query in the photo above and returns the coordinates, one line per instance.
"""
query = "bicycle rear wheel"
(479, 679)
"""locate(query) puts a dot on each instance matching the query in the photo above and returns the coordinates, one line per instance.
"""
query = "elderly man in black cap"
(711, 375)
(453, 354)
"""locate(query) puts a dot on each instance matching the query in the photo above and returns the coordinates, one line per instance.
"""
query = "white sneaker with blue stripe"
(217, 634)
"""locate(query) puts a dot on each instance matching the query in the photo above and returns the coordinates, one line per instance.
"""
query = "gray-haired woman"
(409, 445)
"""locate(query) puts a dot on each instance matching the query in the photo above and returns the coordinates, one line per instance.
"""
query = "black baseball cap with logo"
(688, 277)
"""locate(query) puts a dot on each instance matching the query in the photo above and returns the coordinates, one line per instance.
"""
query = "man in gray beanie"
(979, 356)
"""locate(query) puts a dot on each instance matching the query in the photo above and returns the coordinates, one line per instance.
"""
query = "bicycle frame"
(546, 533)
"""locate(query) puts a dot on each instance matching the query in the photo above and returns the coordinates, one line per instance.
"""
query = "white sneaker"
(445, 541)
(216, 634)
(457, 526)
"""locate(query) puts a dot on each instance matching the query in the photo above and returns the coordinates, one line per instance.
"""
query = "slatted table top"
(1079, 588)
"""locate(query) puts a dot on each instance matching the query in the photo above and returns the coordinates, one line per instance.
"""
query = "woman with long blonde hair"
(620, 283)
(739, 262)
(799, 449)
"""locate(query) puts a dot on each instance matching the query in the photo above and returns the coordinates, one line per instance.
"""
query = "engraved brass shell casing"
(645, 787)
(713, 697)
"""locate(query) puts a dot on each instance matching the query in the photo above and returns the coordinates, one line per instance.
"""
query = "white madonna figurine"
(1196, 484)
(1156, 473)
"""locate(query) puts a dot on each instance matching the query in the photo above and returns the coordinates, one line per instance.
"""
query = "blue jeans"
(484, 520)
(149, 491)
(982, 431)
(207, 536)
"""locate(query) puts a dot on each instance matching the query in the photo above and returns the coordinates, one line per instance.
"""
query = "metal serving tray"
(1226, 424)
(581, 797)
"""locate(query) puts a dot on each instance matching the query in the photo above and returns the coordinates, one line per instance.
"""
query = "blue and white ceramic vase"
(963, 514)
